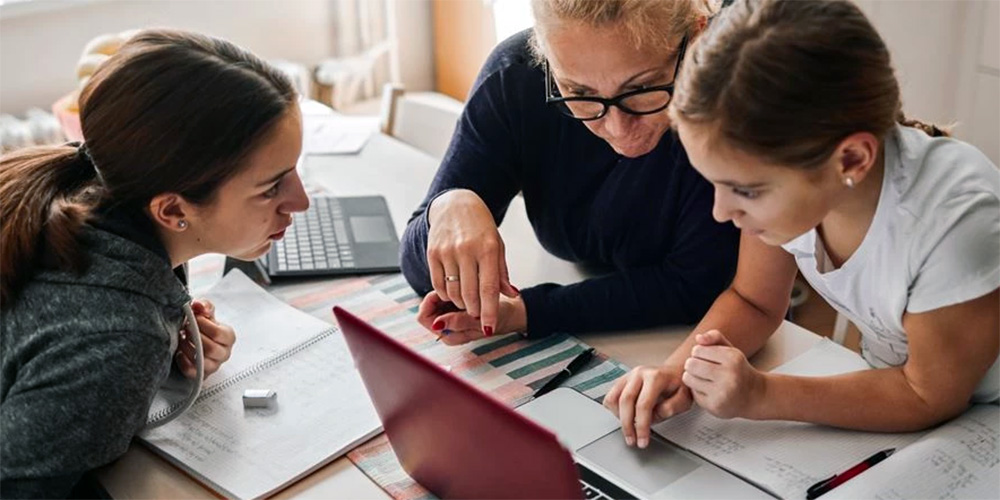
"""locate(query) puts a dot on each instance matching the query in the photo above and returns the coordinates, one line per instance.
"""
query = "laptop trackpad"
(574, 418)
(648, 470)
(370, 229)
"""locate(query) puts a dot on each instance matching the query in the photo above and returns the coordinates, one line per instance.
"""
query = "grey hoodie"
(82, 359)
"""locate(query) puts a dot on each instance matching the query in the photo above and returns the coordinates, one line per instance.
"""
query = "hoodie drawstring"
(199, 363)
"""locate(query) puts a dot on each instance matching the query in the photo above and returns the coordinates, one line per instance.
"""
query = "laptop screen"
(452, 438)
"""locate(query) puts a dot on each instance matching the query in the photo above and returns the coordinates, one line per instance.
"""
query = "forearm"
(627, 300)
(744, 325)
(881, 400)
(479, 160)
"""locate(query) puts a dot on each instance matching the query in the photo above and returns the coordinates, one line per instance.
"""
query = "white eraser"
(259, 398)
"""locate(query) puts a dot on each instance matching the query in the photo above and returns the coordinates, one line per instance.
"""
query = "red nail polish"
(488, 330)
(516, 290)
(439, 324)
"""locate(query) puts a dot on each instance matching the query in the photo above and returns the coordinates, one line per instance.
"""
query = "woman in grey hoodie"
(190, 148)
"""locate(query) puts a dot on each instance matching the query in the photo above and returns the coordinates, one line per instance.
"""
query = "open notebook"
(956, 460)
(322, 408)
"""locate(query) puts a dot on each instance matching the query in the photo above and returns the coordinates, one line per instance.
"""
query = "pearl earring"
(849, 182)
(182, 224)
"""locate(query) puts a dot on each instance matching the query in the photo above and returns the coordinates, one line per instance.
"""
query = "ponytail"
(151, 116)
(47, 195)
(928, 128)
(827, 91)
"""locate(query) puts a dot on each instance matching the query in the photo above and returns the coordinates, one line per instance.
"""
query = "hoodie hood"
(117, 263)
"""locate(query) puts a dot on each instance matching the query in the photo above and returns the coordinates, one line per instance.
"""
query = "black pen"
(839, 479)
(571, 369)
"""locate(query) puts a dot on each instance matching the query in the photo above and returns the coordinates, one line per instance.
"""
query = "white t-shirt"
(934, 242)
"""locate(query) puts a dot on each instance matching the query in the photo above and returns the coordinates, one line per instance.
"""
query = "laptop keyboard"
(590, 492)
(595, 486)
(316, 240)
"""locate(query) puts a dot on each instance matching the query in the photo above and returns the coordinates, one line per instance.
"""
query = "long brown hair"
(172, 111)
(788, 80)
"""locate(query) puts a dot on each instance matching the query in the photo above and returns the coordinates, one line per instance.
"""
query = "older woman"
(571, 114)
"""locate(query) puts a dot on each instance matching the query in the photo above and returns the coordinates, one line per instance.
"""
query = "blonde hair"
(657, 23)
(788, 80)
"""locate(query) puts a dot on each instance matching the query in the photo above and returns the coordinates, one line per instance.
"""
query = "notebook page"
(960, 459)
(323, 411)
(322, 408)
(824, 359)
(784, 458)
(264, 325)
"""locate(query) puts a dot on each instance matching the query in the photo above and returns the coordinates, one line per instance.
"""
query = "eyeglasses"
(635, 102)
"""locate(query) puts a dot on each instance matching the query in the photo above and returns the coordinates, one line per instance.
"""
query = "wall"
(39, 47)
(979, 83)
(946, 59)
(945, 53)
(463, 36)
(39, 50)
(412, 23)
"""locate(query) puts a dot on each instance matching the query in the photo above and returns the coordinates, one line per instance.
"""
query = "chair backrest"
(425, 120)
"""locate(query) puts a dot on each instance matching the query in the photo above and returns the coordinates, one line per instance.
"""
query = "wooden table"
(402, 174)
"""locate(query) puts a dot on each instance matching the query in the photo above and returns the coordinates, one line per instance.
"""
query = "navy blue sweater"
(647, 220)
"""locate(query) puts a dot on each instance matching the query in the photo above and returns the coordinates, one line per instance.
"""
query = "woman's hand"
(722, 380)
(458, 327)
(216, 341)
(644, 396)
(465, 257)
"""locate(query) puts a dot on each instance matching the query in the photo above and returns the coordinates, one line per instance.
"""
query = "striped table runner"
(509, 367)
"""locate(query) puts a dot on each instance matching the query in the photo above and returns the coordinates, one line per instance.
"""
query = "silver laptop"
(460, 442)
(609, 468)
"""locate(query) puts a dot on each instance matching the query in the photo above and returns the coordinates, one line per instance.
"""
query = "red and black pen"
(839, 479)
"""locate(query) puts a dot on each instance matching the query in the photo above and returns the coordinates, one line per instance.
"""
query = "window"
(511, 16)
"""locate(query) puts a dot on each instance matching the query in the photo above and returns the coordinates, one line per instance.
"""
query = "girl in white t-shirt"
(791, 109)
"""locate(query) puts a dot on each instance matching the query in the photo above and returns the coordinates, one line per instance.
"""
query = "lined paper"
(960, 459)
(264, 325)
(784, 458)
(322, 408)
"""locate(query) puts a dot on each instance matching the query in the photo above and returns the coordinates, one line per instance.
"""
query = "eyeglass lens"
(638, 103)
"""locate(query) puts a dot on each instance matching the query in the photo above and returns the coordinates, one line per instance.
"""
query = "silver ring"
(451, 278)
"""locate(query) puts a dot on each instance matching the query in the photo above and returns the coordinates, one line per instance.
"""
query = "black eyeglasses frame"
(560, 102)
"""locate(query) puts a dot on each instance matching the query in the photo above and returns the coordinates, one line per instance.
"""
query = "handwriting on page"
(788, 474)
(322, 407)
(785, 458)
(717, 442)
(981, 440)
(263, 324)
(247, 451)
(960, 459)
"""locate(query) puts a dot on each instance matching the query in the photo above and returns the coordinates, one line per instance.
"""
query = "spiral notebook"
(959, 459)
(322, 407)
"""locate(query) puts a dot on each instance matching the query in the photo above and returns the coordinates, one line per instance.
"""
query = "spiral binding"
(252, 370)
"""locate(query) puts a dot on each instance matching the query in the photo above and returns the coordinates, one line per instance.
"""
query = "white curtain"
(362, 62)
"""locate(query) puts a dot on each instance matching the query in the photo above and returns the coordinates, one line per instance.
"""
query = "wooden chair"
(425, 120)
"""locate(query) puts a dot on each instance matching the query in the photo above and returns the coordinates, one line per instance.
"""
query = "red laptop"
(459, 442)
(450, 437)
